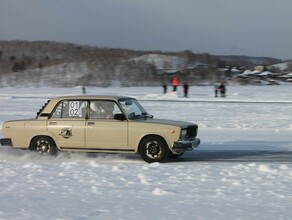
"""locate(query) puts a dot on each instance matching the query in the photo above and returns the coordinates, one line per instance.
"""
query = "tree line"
(71, 64)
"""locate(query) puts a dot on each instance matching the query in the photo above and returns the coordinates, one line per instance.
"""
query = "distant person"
(174, 83)
(83, 90)
(186, 89)
(216, 89)
(222, 89)
(164, 88)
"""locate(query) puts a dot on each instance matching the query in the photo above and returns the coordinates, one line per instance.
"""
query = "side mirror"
(129, 102)
(120, 117)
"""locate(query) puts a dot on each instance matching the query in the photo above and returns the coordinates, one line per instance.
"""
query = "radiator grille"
(192, 131)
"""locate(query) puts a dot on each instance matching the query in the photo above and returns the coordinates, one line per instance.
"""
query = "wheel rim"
(43, 146)
(153, 149)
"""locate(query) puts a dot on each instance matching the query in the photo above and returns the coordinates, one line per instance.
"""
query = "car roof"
(92, 97)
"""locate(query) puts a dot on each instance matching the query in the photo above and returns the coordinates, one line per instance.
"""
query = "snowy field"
(241, 170)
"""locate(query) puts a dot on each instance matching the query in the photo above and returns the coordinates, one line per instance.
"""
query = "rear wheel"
(44, 145)
(153, 149)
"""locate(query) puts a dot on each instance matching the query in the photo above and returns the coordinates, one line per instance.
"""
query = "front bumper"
(6, 142)
(186, 145)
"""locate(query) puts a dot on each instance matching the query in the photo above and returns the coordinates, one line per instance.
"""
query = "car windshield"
(133, 109)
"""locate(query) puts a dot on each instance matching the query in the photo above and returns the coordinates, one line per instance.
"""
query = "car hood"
(182, 124)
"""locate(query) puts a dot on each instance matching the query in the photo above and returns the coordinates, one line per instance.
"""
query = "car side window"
(132, 108)
(70, 109)
(100, 109)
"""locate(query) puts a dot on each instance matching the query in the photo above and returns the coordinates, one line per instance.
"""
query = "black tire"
(44, 145)
(153, 149)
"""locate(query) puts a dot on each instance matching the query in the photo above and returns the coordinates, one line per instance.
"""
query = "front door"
(103, 132)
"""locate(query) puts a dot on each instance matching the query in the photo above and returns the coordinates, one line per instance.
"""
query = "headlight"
(183, 133)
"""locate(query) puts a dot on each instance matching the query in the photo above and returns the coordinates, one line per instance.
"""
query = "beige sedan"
(111, 124)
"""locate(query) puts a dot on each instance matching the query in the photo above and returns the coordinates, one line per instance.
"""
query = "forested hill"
(46, 63)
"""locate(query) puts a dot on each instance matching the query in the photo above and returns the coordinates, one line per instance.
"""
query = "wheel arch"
(39, 136)
(152, 135)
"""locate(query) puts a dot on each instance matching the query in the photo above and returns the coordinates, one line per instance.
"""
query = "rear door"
(68, 123)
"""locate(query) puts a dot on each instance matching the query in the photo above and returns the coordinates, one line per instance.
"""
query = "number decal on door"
(74, 108)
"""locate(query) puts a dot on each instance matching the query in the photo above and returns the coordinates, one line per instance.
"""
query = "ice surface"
(241, 170)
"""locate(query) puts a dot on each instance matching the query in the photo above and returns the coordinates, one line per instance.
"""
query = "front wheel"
(153, 149)
(44, 145)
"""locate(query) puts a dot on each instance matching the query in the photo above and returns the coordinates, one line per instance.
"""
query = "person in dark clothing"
(216, 89)
(222, 89)
(164, 88)
(83, 90)
(186, 89)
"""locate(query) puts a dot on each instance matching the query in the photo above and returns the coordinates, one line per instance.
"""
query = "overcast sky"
(220, 27)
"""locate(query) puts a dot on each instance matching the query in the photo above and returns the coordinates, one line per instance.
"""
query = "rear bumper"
(186, 145)
(6, 142)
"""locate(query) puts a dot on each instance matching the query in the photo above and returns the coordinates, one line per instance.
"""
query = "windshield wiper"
(144, 115)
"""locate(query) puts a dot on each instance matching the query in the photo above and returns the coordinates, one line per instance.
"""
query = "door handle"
(91, 123)
(53, 123)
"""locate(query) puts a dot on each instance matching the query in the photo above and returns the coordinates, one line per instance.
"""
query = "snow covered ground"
(241, 170)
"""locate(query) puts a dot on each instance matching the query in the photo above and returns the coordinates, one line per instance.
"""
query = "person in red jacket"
(174, 83)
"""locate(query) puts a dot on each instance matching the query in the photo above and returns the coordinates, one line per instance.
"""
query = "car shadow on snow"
(240, 151)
